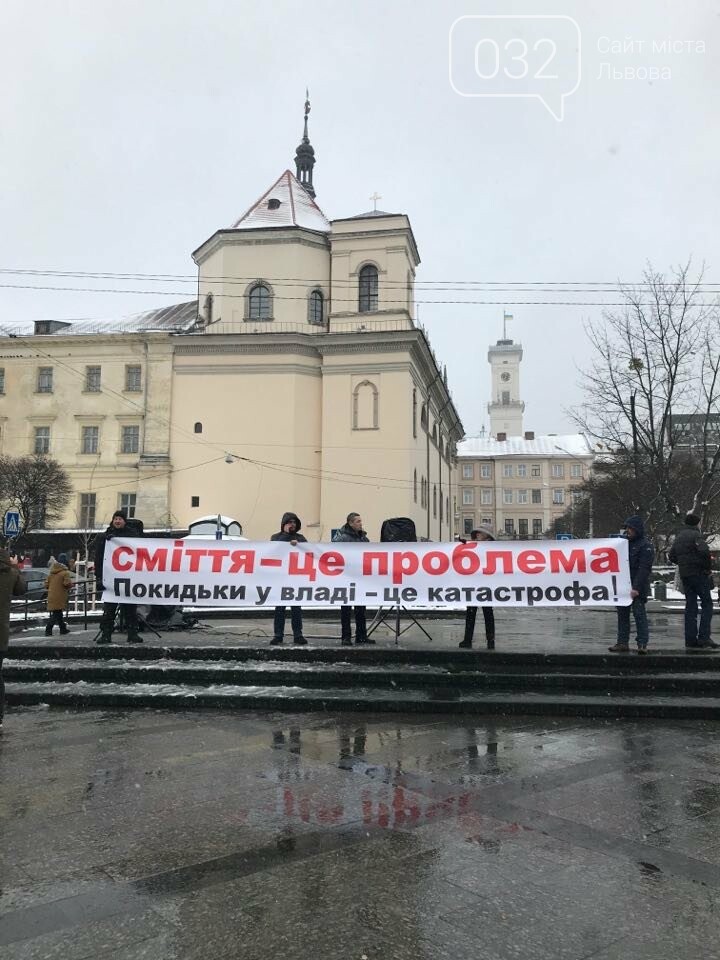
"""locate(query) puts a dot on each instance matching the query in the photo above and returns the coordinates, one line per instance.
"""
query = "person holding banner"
(352, 532)
(641, 554)
(120, 526)
(289, 532)
(483, 532)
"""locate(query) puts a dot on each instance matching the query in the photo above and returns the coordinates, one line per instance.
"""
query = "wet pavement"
(518, 630)
(143, 834)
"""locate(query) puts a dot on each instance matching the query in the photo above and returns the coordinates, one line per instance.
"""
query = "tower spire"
(305, 155)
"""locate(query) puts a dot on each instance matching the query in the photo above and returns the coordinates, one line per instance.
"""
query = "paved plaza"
(149, 835)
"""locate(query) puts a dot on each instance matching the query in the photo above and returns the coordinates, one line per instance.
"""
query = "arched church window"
(315, 307)
(198, 427)
(368, 289)
(259, 303)
(365, 406)
(424, 416)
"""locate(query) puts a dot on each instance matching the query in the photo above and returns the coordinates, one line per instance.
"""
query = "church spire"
(305, 155)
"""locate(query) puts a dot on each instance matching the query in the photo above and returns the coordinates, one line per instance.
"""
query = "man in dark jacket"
(692, 555)
(290, 533)
(483, 532)
(11, 585)
(641, 554)
(352, 532)
(120, 526)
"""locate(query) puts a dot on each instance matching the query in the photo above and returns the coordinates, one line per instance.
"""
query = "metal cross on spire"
(375, 197)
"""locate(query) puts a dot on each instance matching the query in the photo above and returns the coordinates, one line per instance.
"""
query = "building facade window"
(316, 307)
(87, 506)
(45, 380)
(368, 289)
(487, 522)
(365, 406)
(522, 528)
(558, 496)
(92, 379)
(90, 440)
(198, 427)
(537, 528)
(194, 501)
(537, 496)
(505, 399)
(133, 378)
(510, 527)
(522, 496)
(259, 303)
(522, 469)
(535, 470)
(558, 470)
(128, 503)
(507, 469)
(468, 497)
(507, 496)
(467, 471)
(485, 471)
(577, 497)
(486, 497)
(130, 441)
(42, 440)
(576, 470)
(2, 379)
(467, 526)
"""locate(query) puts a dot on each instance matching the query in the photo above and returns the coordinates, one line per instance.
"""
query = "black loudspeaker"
(398, 530)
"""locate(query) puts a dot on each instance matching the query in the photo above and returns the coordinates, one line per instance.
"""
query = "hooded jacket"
(132, 528)
(641, 554)
(346, 534)
(11, 585)
(690, 552)
(287, 537)
(58, 585)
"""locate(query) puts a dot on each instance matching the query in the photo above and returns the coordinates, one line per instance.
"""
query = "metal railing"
(81, 601)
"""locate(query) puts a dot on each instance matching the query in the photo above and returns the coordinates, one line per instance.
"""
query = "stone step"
(315, 674)
(378, 700)
(673, 661)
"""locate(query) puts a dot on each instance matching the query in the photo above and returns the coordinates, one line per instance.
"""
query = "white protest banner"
(416, 575)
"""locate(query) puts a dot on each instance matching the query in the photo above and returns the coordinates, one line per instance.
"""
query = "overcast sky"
(130, 132)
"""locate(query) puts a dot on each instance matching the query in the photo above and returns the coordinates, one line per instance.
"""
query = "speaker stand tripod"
(383, 615)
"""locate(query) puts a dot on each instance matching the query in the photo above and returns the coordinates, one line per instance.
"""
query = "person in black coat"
(691, 553)
(352, 532)
(290, 533)
(641, 554)
(120, 526)
(483, 532)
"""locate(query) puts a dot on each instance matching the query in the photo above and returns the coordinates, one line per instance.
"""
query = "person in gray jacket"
(352, 532)
(692, 555)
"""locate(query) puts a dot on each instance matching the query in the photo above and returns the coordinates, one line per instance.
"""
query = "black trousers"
(488, 616)
(56, 618)
(346, 622)
(295, 621)
(129, 615)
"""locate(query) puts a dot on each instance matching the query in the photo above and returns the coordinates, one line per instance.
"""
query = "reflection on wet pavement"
(141, 835)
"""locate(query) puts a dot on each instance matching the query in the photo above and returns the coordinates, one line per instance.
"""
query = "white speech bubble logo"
(516, 56)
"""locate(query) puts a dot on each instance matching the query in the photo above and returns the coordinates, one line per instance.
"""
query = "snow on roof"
(286, 204)
(551, 445)
(176, 317)
(371, 213)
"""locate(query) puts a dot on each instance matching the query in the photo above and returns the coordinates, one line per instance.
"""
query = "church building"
(299, 380)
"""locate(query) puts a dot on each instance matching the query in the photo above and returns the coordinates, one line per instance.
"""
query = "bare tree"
(653, 391)
(38, 486)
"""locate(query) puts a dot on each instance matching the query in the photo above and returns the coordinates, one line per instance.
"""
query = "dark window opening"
(194, 501)
(198, 427)
(368, 299)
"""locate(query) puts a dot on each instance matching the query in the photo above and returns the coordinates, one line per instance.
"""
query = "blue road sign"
(564, 536)
(11, 523)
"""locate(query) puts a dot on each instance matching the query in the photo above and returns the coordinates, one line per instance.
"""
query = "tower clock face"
(505, 377)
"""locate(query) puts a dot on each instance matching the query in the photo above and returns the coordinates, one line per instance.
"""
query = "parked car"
(35, 578)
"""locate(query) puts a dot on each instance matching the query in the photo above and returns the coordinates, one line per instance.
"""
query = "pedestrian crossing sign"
(11, 523)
